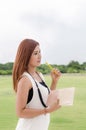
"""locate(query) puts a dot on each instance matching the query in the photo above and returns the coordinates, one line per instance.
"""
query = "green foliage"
(7, 66)
(72, 67)
(5, 72)
(72, 70)
(43, 69)
(62, 68)
(74, 64)
(83, 66)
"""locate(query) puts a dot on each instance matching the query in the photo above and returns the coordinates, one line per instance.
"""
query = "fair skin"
(24, 85)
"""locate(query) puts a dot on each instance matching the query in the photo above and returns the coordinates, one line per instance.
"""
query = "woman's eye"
(35, 53)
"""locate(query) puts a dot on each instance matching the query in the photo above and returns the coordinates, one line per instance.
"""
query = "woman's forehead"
(37, 48)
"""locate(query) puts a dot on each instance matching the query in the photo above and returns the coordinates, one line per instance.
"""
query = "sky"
(58, 25)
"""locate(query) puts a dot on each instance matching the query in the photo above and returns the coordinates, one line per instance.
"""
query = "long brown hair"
(23, 55)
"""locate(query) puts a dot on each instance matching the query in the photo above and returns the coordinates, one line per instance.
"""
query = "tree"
(74, 64)
(83, 66)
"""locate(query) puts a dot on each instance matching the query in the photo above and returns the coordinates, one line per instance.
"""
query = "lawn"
(66, 118)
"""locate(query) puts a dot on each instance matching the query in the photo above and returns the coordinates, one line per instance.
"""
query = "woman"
(31, 90)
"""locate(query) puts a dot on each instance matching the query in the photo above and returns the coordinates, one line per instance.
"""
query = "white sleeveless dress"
(39, 122)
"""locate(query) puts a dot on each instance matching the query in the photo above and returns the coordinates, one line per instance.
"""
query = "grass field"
(66, 118)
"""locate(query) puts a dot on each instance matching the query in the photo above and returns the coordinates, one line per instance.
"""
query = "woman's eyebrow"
(36, 50)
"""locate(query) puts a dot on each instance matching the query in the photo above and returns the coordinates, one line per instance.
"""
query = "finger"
(57, 73)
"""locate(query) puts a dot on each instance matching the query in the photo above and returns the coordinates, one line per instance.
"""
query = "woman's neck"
(32, 70)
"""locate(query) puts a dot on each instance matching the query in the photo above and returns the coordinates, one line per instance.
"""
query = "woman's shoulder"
(24, 82)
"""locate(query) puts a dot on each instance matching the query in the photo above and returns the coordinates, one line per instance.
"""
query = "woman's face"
(35, 59)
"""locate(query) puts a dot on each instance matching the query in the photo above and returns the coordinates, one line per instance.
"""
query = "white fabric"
(40, 122)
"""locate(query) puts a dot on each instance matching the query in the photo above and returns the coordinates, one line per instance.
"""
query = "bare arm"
(55, 75)
(24, 86)
(22, 111)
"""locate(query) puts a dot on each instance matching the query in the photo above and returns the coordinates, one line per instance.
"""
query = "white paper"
(66, 96)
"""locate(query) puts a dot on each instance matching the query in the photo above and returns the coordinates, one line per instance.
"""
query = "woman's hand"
(53, 107)
(53, 101)
(55, 75)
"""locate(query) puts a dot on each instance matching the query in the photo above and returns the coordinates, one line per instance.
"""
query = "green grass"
(66, 118)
